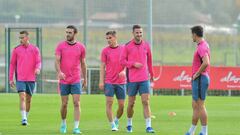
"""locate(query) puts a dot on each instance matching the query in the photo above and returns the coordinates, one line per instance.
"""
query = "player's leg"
(22, 96)
(76, 104)
(109, 103)
(63, 111)
(64, 91)
(22, 101)
(121, 95)
(144, 90)
(195, 98)
(195, 118)
(132, 92)
(21, 88)
(201, 104)
(30, 86)
(203, 116)
(64, 105)
(109, 93)
(76, 92)
(28, 103)
(130, 112)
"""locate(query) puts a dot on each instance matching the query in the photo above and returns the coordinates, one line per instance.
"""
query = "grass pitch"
(44, 117)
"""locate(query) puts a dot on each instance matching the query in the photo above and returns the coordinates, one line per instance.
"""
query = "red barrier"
(179, 77)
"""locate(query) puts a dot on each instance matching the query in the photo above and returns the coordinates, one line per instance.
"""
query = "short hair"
(72, 27)
(112, 32)
(136, 26)
(24, 32)
(198, 30)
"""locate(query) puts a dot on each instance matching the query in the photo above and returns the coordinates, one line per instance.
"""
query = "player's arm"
(38, 62)
(149, 63)
(124, 61)
(122, 73)
(13, 63)
(61, 75)
(102, 75)
(204, 65)
(84, 72)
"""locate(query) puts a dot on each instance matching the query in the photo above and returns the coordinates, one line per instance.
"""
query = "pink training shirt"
(201, 51)
(111, 57)
(25, 60)
(70, 65)
(137, 53)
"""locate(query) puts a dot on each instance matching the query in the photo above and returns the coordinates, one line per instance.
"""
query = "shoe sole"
(77, 133)
(150, 132)
(24, 124)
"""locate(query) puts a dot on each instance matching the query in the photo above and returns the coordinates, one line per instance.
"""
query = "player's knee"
(76, 104)
(22, 99)
(28, 101)
(195, 106)
(109, 104)
(64, 104)
(121, 109)
(131, 104)
(201, 107)
(121, 106)
(145, 103)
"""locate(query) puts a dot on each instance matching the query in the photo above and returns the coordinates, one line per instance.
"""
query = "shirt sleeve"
(83, 52)
(103, 56)
(58, 50)
(13, 63)
(149, 61)
(123, 59)
(202, 51)
(38, 59)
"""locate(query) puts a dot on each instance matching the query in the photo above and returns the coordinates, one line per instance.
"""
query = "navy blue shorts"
(138, 87)
(118, 89)
(66, 89)
(26, 86)
(200, 87)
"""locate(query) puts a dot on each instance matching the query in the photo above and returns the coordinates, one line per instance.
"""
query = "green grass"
(44, 117)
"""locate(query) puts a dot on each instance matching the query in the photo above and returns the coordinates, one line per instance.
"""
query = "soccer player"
(26, 64)
(200, 80)
(137, 57)
(113, 78)
(70, 61)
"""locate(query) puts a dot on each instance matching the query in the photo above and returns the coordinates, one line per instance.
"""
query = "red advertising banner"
(179, 77)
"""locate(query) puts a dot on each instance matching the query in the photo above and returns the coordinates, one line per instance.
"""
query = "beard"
(138, 39)
(109, 42)
(70, 39)
(23, 42)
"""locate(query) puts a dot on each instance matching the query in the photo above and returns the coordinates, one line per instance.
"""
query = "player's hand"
(84, 83)
(61, 76)
(37, 71)
(137, 65)
(101, 85)
(122, 74)
(12, 84)
(195, 76)
(152, 79)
